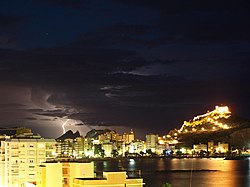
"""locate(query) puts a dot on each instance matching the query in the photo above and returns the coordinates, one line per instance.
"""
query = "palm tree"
(166, 185)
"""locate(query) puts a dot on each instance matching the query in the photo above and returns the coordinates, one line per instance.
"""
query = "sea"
(187, 172)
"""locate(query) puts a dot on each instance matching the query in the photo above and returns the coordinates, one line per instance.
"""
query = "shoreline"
(137, 158)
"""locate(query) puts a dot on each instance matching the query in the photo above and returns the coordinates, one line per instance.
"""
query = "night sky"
(141, 64)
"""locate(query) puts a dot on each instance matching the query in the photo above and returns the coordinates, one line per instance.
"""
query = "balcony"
(14, 147)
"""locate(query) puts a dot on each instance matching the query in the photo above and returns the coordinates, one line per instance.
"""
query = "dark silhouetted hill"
(69, 135)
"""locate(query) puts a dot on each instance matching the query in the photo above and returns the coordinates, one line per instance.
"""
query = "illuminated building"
(121, 147)
(108, 147)
(137, 146)
(129, 137)
(63, 174)
(163, 144)
(151, 142)
(67, 147)
(208, 121)
(161, 148)
(109, 179)
(70, 147)
(79, 147)
(222, 147)
(70, 174)
(200, 147)
(88, 147)
(211, 147)
(217, 148)
(20, 156)
(110, 135)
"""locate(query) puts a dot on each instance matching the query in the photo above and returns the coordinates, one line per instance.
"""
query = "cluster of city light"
(202, 123)
(210, 117)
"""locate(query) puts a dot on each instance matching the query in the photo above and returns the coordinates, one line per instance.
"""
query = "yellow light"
(175, 141)
(161, 142)
(183, 150)
(222, 109)
(211, 117)
(27, 184)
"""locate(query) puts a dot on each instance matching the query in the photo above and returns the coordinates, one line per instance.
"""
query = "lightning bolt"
(63, 125)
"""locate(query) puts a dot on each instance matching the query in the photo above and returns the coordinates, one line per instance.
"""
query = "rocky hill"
(95, 133)
(69, 135)
(219, 125)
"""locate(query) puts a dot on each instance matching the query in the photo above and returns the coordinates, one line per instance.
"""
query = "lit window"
(41, 146)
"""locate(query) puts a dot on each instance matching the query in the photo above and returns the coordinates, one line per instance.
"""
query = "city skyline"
(144, 65)
(28, 159)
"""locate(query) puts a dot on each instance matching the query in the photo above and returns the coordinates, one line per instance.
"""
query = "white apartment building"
(19, 158)
(137, 146)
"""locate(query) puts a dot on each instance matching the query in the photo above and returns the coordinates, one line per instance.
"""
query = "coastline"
(243, 157)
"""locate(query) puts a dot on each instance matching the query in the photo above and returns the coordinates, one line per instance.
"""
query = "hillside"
(69, 135)
(219, 125)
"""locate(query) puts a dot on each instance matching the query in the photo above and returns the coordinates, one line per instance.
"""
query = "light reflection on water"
(205, 172)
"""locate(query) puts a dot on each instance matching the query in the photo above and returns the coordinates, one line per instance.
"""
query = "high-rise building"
(151, 142)
(20, 156)
(129, 137)
(88, 147)
(109, 135)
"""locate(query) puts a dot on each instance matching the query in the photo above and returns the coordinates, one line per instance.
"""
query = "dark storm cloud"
(119, 34)
(35, 110)
(64, 2)
(47, 119)
(52, 114)
(199, 21)
(8, 41)
(31, 119)
(59, 66)
(62, 112)
(9, 105)
(147, 64)
(182, 6)
(86, 82)
(212, 29)
(7, 21)
(8, 36)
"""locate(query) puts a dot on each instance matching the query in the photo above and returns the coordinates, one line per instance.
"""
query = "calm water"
(183, 172)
